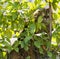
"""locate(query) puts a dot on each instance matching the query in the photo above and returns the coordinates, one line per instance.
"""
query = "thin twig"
(50, 17)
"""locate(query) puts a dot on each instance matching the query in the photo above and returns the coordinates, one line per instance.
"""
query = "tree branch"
(50, 18)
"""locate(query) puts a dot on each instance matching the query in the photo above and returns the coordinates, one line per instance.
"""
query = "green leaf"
(49, 54)
(26, 47)
(48, 44)
(32, 27)
(28, 57)
(22, 44)
(8, 33)
(7, 46)
(41, 50)
(16, 49)
(27, 39)
(49, 0)
(53, 56)
(54, 6)
(37, 1)
(37, 44)
(40, 19)
(15, 45)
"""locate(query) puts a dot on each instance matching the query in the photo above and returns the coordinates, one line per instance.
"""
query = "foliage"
(17, 20)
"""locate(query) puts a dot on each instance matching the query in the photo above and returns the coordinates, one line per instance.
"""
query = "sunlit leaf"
(54, 41)
(8, 33)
